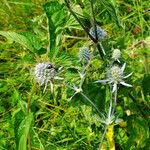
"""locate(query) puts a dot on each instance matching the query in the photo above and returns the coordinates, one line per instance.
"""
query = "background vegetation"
(28, 30)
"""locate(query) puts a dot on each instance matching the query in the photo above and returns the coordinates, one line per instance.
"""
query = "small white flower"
(101, 34)
(116, 76)
(45, 73)
(116, 55)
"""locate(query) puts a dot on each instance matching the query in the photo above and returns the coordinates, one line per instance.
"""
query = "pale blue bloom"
(115, 76)
(45, 73)
(101, 34)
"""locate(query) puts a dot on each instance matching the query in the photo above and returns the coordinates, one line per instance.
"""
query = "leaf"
(56, 19)
(24, 130)
(33, 39)
(50, 8)
(112, 10)
(21, 39)
(39, 141)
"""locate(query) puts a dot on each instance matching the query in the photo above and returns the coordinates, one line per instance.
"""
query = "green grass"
(46, 31)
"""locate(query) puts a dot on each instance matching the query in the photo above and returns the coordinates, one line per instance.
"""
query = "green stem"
(103, 136)
(110, 115)
(78, 20)
(95, 30)
(92, 104)
(147, 68)
(95, 40)
(115, 103)
(110, 105)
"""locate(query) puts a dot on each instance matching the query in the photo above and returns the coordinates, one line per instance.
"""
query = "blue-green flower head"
(84, 54)
(115, 76)
(116, 55)
(101, 34)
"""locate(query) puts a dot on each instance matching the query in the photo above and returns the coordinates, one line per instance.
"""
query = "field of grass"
(74, 75)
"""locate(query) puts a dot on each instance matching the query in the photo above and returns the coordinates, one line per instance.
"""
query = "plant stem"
(110, 115)
(29, 142)
(78, 20)
(99, 47)
(146, 65)
(92, 104)
(110, 105)
(115, 103)
(103, 136)
(95, 40)
(94, 20)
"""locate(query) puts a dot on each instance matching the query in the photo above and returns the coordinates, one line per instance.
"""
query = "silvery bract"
(116, 76)
(102, 48)
(45, 73)
(84, 54)
(116, 55)
(101, 34)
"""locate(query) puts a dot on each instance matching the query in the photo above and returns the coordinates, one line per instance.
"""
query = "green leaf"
(24, 130)
(21, 39)
(56, 19)
(33, 39)
(112, 10)
(50, 8)
(26, 39)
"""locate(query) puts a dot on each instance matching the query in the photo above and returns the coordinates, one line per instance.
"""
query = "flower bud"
(84, 54)
(116, 54)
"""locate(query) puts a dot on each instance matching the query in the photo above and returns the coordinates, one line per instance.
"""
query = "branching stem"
(90, 101)
(110, 115)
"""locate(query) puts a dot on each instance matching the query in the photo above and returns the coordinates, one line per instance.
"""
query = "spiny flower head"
(116, 55)
(44, 72)
(101, 34)
(115, 76)
(85, 54)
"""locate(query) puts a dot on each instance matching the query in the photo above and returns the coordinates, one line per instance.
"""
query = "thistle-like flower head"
(45, 73)
(116, 55)
(115, 76)
(84, 54)
(101, 34)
